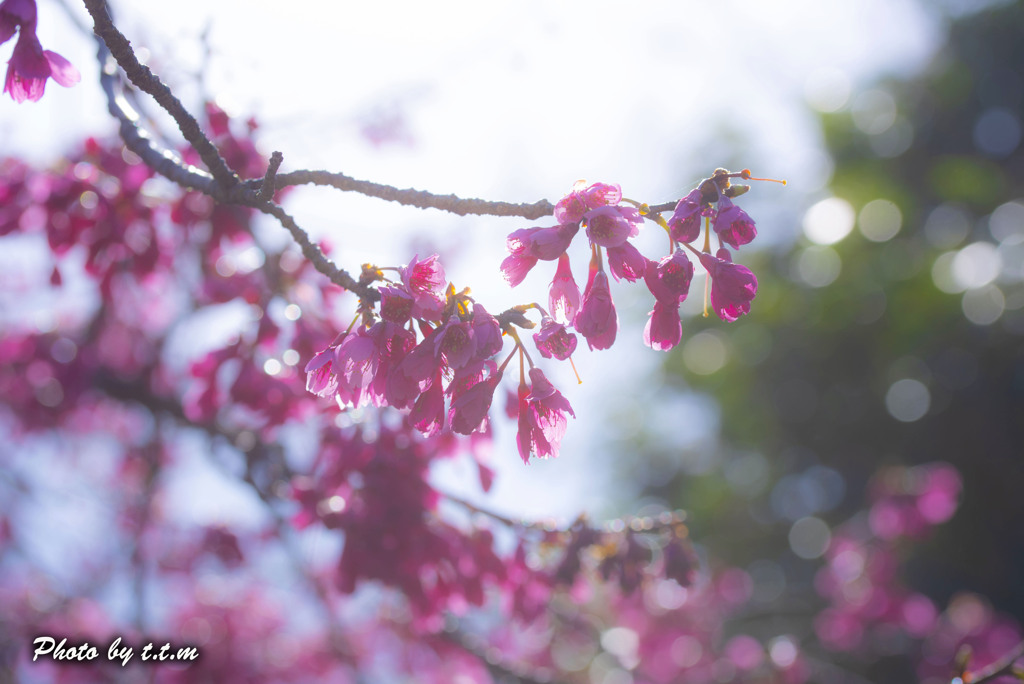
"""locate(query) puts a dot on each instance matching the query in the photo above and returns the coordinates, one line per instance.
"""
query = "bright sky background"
(513, 101)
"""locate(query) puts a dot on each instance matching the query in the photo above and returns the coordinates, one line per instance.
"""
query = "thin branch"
(269, 184)
(412, 197)
(162, 160)
(287, 538)
(316, 256)
(500, 669)
(221, 183)
(1003, 666)
(145, 80)
(151, 460)
(498, 517)
(661, 208)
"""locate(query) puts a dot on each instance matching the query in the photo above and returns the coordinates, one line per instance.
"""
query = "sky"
(512, 101)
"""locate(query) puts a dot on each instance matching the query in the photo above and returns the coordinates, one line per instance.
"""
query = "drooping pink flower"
(626, 261)
(472, 392)
(364, 360)
(612, 226)
(530, 437)
(546, 244)
(410, 376)
(427, 414)
(320, 377)
(515, 267)
(596, 319)
(669, 279)
(684, 225)
(564, 294)
(733, 286)
(30, 66)
(733, 226)
(355, 365)
(553, 340)
(393, 343)
(664, 327)
(455, 342)
(486, 332)
(542, 418)
(528, 245)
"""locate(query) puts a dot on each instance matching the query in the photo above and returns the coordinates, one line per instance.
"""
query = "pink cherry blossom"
(425, 281)
(626, 261)
(612, 226)
(515, 268)
(30, 66)
(733, 226)
(684, 225)
(553, 340)
(472, 393)
(664, 327)
(669, 279)
(320, 377)
(546, 244)
(542, 419)
(596, 319)
(396, 305)
(733, 287)
(486, 332)
(455, 341)
(572, 207)
(564, 294)
(602, 195)
(427, 414)
(412, 374)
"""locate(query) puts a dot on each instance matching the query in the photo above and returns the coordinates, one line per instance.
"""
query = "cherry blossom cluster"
(109, 394)
(610, 221)
(370, 484)
(866, 603)
(30, 65)
(430, 350)
(375, 491)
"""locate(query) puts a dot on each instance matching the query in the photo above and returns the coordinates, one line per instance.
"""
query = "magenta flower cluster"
(609, 226)
(429, 350)
(30, 65)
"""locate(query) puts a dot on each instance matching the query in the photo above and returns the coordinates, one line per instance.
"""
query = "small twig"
(473, 508)
(144, 79)
(1003, 666)
(269, 185)
(659, 208)
(151, 456)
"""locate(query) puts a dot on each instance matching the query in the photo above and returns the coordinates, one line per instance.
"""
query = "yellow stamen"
(706, 280)
(572, 363)
(522, 370)
(745, 174)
